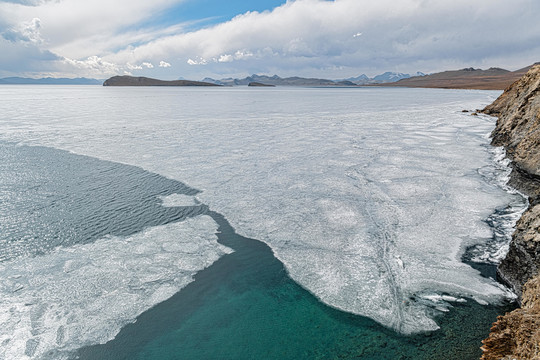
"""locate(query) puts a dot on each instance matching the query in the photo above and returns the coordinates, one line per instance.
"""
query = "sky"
(193, 39)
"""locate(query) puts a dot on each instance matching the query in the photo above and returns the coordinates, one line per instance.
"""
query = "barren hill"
(144, 81)
(469, 78)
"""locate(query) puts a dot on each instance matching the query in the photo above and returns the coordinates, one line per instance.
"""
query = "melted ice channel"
(84, 294)
(368, 196)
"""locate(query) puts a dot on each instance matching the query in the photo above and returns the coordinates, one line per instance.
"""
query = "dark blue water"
(55, 198)
(244, 306)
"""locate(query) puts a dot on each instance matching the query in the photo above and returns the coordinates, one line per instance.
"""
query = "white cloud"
(27, 31)
(198, 61)
(225, 58)
(75, 28)
(26, 59)
(148, 65)
(133, 67)
(164, 64)
(96, 66)
(243, 54)
(238, 55)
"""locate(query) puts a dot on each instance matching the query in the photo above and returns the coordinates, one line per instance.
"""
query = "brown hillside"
(144, 81)
(490, 79)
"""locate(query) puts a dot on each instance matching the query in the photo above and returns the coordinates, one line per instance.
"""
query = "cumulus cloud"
(243, 54)
(96, 66)
(197, 61)
(225, 58)
(28, 31)
(133, 67)
(76, 30)
(148, 65)
(238, 55)
(164, 64)
(80, 28)
(26, 59)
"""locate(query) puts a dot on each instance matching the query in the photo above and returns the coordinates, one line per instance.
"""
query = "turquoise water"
(244, 306)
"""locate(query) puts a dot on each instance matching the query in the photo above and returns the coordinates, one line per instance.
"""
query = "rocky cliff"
(516, 335)
(518, 130)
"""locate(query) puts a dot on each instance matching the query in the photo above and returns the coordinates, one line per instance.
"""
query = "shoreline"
(517, 334)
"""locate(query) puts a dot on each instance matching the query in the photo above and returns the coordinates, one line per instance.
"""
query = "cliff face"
(518, 130)
(518, 126)
(523, 259)
(516, 335)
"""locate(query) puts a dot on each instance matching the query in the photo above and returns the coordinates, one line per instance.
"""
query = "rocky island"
(516, 335)
(144, 81)
(258, 84)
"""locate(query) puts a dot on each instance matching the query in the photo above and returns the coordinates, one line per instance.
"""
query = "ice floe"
(84, 294)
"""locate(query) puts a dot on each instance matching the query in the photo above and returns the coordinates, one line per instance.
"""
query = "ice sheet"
(82, 295)
(368, 196)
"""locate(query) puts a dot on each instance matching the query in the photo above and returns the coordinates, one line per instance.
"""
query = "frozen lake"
(370, 198)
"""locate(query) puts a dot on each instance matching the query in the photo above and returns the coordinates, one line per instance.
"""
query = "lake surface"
(238, 223)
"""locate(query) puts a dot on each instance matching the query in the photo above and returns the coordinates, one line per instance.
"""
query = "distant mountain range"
(50, 81)
(275, 80)
(468, 78)
(384, 78)
(300, 81)
(278, 81)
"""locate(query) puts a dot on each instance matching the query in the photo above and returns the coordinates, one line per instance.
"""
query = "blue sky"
(194, 39)
(208, 12)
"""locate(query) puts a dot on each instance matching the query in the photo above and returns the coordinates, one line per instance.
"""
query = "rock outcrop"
(518, 130)
(516, 335)
(523, 259)
(518, 126)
